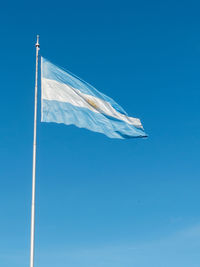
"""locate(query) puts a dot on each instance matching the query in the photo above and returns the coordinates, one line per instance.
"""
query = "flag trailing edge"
(67, 99)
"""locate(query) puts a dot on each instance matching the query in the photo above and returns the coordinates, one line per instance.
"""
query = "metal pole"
(34, 160)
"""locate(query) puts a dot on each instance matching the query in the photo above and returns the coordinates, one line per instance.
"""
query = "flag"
(67, 99)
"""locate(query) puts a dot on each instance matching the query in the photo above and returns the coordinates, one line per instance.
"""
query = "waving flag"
(68, 99)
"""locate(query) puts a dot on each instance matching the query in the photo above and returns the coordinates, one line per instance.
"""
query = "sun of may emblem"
(92, 103)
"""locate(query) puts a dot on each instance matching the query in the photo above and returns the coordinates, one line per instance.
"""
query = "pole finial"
(37, 44)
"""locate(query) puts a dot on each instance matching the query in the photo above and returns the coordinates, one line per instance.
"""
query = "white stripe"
(54, 90)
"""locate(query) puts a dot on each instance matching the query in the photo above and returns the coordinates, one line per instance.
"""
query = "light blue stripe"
(52, 72)
(60, 112)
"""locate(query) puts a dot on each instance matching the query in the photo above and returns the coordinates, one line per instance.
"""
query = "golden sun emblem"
(92, 103)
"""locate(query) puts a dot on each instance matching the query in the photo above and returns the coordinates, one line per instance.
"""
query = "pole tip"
(37, 44)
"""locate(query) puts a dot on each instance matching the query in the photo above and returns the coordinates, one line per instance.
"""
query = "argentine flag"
(67, 99)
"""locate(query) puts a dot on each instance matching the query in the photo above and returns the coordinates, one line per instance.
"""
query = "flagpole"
(34, 160)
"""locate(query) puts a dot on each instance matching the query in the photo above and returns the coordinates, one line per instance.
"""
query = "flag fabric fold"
(67, 99)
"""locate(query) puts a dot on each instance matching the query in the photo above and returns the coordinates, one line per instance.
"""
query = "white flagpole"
(34, 160)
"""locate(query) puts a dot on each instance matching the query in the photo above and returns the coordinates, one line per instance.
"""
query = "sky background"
(103, 202)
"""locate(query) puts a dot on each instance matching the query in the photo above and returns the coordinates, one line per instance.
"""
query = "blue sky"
(103, 202)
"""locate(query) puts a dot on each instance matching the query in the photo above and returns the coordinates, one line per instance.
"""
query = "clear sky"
(102, 202)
